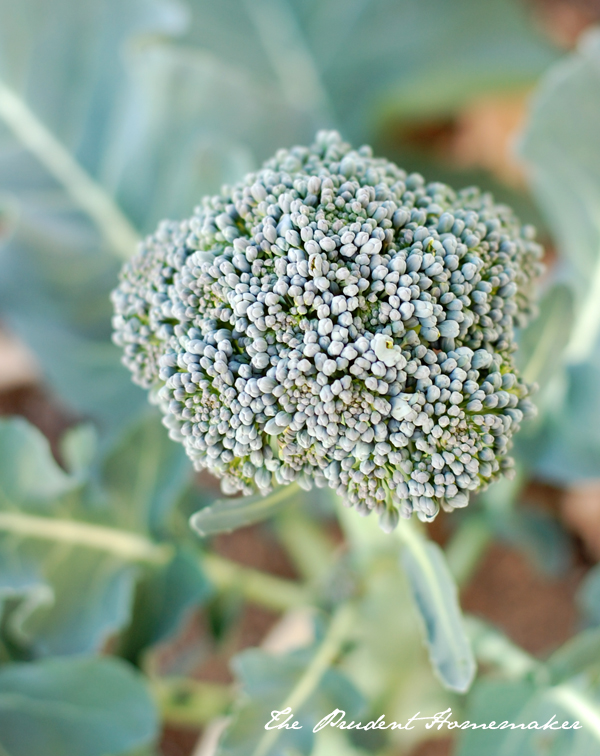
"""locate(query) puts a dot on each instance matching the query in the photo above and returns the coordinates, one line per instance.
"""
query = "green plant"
(333, 320)
(118, 114)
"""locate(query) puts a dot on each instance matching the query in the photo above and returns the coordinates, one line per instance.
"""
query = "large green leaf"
(145, 475)
(65, 62)
(563, 153)
(158, 120)
(526, 701)
(568, 437)
(28, 471)
(353, 60)
(69, 562)
(163, 598)
(84, 707)
(66, 597)
(577, 654)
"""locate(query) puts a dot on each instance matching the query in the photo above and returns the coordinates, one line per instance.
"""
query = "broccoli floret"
(333, 320)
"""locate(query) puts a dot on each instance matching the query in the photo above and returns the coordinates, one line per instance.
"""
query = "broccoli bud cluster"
(333, 320)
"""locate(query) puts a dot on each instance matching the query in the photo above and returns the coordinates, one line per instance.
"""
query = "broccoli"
(334, 321)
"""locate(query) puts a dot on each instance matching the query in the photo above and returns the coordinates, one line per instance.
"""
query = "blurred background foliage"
(122, 631)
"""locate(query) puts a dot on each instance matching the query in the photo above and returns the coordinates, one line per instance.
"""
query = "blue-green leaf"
(522, 703)
(163, 598)
(28, 471)
(588, 596)
(225, 515)
(541, 344)
(88, 707)
(563, 154)
(68, 600)
(572, 658)
(145, 474)
(436, 598)
(267, 682)
(69, 561)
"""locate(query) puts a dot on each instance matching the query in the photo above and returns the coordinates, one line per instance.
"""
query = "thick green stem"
(90, 196)
(255, 586)
(129, 546)
(309, 547)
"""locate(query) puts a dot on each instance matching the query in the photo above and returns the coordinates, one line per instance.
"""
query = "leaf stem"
(90, 196)
(435, 577)
(585, 331)
(466, 548)
(126, 545)
(493, 648)
(572, 700)
(255, 586)
(183, 701)
(337, 634)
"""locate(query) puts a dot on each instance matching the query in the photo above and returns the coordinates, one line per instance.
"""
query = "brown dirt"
(437, 747)
(255, 547)
(536, 611)
(565, 20)
(37, 405)
(179, 741)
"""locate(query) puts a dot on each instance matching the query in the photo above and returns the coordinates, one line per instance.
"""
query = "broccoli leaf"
(156, 123)
(225, 515)
(163, 598)
(436, 598)
(69, 560)
(524, 702)
(268, 681)
(88, 707)
(563, 154)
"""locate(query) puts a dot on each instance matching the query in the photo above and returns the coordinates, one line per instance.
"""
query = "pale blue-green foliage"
(162, 101)
(589, 596)
(350, 61)
(561, 144)
(29, 473)
(564, 687)
(65, 597)
(164, 597)
(88, 707)
(523, 702)
(436, 597)
(59, 605)
(267, 681)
